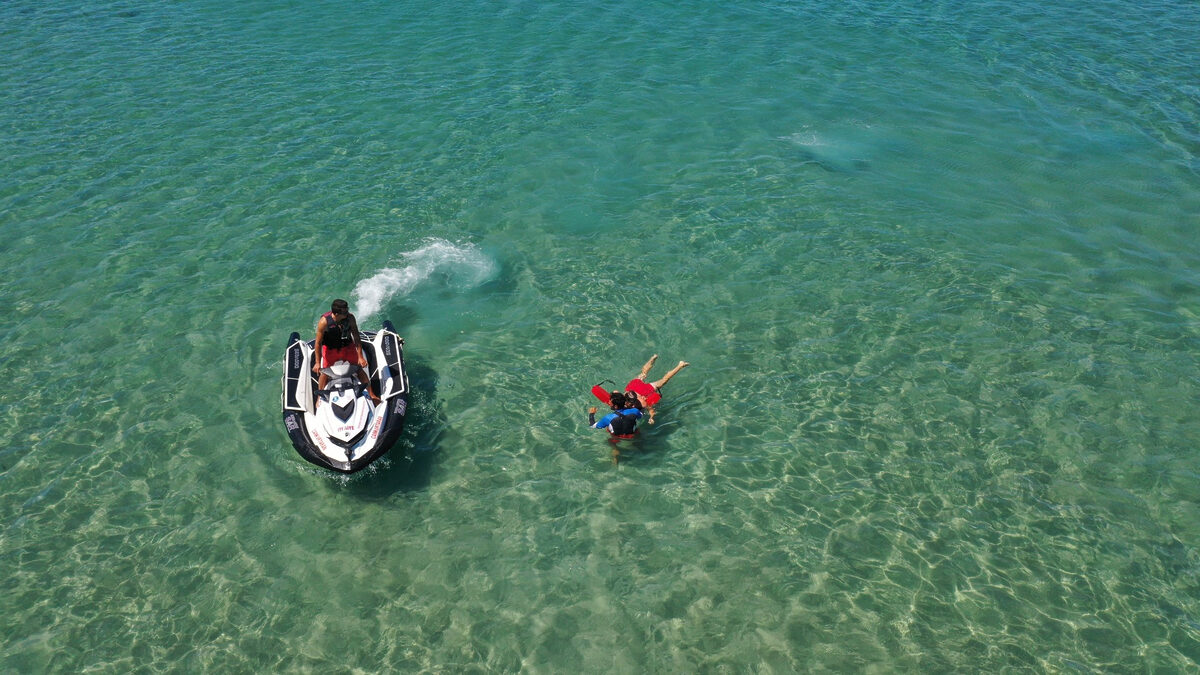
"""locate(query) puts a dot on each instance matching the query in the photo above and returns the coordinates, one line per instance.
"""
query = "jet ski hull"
(353, 438)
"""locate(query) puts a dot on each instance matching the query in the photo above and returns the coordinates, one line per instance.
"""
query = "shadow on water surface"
(651, 443)
(408, 466)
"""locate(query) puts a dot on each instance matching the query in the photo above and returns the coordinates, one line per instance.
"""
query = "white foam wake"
(464, 265)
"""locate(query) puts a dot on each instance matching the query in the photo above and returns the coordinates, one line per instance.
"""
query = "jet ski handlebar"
(357, 387)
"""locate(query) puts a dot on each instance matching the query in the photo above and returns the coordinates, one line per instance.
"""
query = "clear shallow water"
(934, 268)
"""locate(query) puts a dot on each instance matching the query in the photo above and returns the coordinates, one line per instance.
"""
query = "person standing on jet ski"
(338, 339)
(622, 421)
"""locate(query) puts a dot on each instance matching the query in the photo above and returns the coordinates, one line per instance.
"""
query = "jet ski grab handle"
(350, 374)
(351, 370)
(354, 368)
(357, 387)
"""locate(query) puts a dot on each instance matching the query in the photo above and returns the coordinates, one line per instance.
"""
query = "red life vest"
(645, 390)
(337, 333)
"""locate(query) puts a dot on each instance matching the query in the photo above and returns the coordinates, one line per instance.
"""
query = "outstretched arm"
(603, 422)
(608, 419)
(317, 344)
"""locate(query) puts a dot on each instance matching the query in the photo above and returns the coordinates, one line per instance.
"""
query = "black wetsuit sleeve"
(592, 418)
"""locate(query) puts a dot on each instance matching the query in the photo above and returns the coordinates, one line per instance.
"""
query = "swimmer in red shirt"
(647, 392)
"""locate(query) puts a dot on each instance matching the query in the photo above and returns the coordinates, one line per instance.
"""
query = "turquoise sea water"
(935, 267)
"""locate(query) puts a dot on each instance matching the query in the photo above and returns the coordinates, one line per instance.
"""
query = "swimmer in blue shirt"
(622, 421)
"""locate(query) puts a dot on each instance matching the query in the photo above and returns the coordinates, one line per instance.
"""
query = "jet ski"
(339, 427)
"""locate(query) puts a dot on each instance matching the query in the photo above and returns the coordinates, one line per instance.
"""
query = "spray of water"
(463, 264)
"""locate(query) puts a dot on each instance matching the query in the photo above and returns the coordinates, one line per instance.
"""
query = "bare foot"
(646, 368)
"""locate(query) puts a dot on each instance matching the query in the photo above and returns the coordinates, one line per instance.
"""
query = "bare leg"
(362, 376)
(646, 368)
(322, 380)
(666, 378)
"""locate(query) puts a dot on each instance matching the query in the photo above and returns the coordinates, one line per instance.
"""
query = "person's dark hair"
(631, 401)
(616, 399)
(339, 305)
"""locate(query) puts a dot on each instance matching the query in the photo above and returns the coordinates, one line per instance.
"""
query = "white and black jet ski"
(339, 427)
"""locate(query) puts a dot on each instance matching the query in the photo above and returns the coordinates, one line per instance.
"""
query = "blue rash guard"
(604, 422)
